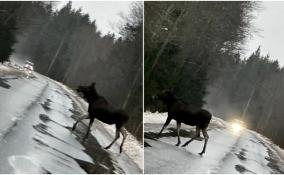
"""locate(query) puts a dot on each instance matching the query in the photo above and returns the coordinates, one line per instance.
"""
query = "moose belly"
(106, 120)
(106, 116)
(189, 122)
(187, 119)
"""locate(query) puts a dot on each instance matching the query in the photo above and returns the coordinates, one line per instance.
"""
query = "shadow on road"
(103, 162)
(4, 84)
(172, 133)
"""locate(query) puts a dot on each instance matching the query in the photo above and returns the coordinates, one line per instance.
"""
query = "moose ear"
(93, 84)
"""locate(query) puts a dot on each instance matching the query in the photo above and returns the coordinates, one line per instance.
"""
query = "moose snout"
(79, 89)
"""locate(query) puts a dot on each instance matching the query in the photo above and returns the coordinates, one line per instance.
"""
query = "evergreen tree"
(184, 39)
(8, 14)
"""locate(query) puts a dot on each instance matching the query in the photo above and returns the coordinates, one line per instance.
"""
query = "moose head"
(88, 92)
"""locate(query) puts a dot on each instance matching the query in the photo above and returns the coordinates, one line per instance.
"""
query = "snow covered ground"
(36, 116)
(227, 151)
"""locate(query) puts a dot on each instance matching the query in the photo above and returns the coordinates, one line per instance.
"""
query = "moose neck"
(171, 99)
(96, 95)
(93, 97)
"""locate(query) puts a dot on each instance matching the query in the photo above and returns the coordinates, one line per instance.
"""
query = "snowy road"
(36, 116)
(227, 152)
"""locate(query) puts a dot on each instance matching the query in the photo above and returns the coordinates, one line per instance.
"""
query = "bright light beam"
(237, 127)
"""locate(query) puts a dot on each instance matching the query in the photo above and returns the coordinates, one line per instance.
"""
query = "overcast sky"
(106, 13)
(270, 22)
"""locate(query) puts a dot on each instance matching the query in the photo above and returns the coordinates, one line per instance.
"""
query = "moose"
(178, 110)
(100, 109)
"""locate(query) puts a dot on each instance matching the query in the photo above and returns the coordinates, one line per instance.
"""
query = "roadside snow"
(279, 151)
(155, 118)
(4, 68)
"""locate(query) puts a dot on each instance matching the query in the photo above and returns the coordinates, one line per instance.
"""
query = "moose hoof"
(177, 144)
(201, 153)
(107, 147)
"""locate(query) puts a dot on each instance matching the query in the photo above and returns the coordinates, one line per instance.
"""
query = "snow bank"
(155, 118)
(10, 71)
(280, 151)
(4, 68)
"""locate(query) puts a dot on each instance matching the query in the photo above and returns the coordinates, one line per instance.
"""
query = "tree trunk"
(55, 56)
(131, 89)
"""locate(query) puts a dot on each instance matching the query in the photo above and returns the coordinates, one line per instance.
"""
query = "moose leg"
(124, 135)
(117, 131)
(197, 134)
(206, 137)
(89, 128)
(178, 129)
(165, 125)
(85, 116)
